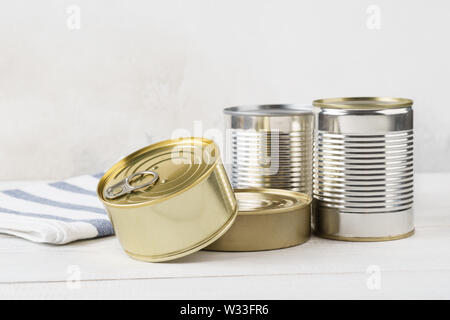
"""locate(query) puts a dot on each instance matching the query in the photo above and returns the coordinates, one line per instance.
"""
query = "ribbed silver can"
(271, 146)
(363, 169)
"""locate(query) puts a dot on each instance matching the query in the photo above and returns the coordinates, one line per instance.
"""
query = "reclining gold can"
(169, 199)
(363, 168)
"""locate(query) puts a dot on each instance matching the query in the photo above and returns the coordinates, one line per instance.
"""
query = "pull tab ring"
(124, 187)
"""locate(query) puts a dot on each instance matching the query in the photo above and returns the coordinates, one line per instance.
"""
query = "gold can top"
(267, 219)
(269, 201)
(158, 172)
(363, 103)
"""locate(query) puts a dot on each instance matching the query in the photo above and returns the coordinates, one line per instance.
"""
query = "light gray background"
(74, 100)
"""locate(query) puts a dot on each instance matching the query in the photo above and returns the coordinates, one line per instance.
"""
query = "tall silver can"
(271, 146)
(363, 169)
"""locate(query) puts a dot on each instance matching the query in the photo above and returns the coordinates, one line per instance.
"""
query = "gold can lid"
(267, 219)
(269, 201)
(158, 172)
(363, 103)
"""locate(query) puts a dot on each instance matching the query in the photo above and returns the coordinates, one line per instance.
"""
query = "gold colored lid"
(252, 201)
(363, 103)
(158, 172)
(267, 219)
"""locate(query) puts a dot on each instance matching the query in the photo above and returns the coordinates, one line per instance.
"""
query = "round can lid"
(269, 201)
(267, 219)
(273, 110)
(158, 172)
(363, 103)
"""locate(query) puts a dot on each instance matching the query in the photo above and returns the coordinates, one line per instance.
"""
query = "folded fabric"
(58, 212)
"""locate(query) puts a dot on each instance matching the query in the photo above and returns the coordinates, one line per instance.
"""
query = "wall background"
(73, 101)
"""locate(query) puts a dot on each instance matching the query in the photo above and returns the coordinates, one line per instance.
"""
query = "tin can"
(169, 199)
(267, 219)
(271, 146)
(363, 169)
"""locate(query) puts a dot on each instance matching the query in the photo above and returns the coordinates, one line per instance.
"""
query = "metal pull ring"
(124, 187)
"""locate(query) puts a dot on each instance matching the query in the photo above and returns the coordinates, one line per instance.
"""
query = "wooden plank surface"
(417, 267)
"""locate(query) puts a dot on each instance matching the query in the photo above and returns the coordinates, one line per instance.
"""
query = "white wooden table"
(417, 267)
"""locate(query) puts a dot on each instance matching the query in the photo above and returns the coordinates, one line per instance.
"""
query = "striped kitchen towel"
(58, 212)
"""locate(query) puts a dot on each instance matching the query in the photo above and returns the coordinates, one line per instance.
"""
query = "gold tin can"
(169, 199)
(267, 219)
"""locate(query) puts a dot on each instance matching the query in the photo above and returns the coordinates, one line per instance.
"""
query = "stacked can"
(173, 198)
(363, 169)
(271, 146)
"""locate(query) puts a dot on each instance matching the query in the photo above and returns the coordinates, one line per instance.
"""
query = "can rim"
(272, 110)
(371, 103)
(305, 201)
(123, 162)
(365, 239)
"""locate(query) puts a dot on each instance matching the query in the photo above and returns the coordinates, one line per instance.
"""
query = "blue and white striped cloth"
(58, 212)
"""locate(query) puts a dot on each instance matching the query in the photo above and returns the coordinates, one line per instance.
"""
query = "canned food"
(363, 169)
(271, 146)
(169, 199)
(267, 219)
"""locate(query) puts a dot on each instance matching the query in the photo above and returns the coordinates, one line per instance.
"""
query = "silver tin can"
(363, 169)
(271, 146)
